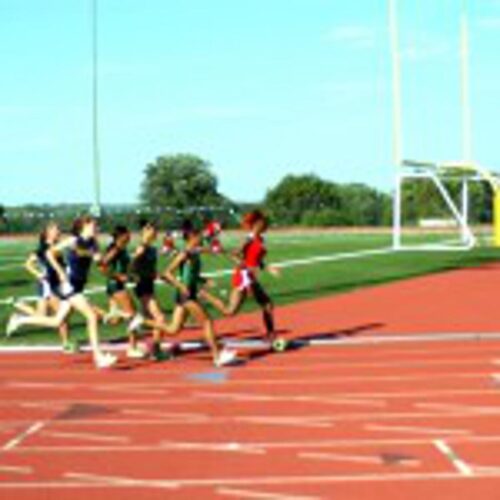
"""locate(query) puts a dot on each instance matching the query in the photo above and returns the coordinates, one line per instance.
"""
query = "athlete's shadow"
(309, 340)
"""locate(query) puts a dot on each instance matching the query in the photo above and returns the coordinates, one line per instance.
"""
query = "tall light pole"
(465, 85)
(96, 160)
(397, 138)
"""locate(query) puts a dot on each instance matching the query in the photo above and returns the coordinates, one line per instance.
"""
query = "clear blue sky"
(258, 87)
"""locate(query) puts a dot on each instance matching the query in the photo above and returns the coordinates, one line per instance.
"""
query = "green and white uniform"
(190, 276)
(119, 264)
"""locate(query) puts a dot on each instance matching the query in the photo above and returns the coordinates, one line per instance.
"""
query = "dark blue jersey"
(80, 257)
(49, 271)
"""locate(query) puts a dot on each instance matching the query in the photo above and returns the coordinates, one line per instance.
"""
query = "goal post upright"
(397, 137)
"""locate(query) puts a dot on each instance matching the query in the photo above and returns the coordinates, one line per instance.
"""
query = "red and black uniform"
(211, 235)
(168, 246)
(244, 277)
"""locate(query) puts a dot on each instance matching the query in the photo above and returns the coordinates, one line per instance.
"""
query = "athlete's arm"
(31, 266)
(169, 274)
(106, 259)
(56, 250)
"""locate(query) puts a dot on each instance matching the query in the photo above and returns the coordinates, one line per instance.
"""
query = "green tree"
(180, 181)
(297, 198)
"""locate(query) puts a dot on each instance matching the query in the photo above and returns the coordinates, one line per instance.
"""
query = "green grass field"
(296, 283)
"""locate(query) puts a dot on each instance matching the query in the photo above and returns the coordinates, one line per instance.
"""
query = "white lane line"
(456, 461)
(104, 481)
(417, 430)
(362, 459)
(60, 386)
(120, 481)
(299, 399)
(127, 390)
(17, 440)
(260, 495)
(232, 447)
(255, 447)
(15, 469)
(88, 437)
(341, 342)
(314, 422)
(465, 409)
(198, 417)
(334, 457)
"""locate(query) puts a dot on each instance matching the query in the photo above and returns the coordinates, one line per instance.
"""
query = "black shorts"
(145, 288)
(192, 296)
(114, 286)
(77, 287)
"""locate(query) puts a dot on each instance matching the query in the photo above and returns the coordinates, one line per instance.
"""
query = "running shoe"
(105, 360)
(135, 353)
(71, 347)
(158, 354)
(13, 324)
(226, 357)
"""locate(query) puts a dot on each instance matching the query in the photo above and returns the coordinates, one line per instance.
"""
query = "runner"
(81, 250)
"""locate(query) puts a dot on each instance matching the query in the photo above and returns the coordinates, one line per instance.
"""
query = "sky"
(259, 88)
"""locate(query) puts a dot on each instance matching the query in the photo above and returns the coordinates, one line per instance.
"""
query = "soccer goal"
(440, 218)
(442, 190)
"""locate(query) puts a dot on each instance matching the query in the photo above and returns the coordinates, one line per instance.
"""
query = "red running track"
(393, 421)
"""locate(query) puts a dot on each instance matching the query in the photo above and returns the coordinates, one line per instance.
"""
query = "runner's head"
(50, 233)
(191, 234)
(84, 226)
(149, 231)
(255, 221)
(121, 236)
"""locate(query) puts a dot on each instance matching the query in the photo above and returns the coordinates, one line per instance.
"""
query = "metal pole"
(465, 208)
(397, 141)
(465, 85)
(397, 146)
(397, 212)
(96, 209)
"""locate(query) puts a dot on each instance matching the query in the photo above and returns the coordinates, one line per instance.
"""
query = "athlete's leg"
(54, 305)
(267, 307)
(197, 311)
(55, 321)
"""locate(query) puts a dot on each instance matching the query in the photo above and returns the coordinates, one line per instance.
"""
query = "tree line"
(176, 187)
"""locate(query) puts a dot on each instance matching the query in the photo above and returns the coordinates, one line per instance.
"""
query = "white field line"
(171, 418)
(417, 430)
(450, 454)
(88, 437)
(297, 399)
(304, 422)
(260, 495)
(120, 481)
(103, 481)
(282, 265)
(328, 380)
(312, 421)
(233, 447)
(334, 457)
(17, 440)
(16, 469)
(236, 344)
(362, 459)
(253, 447)
(475, 410)
(128, 390)
(160, 402)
